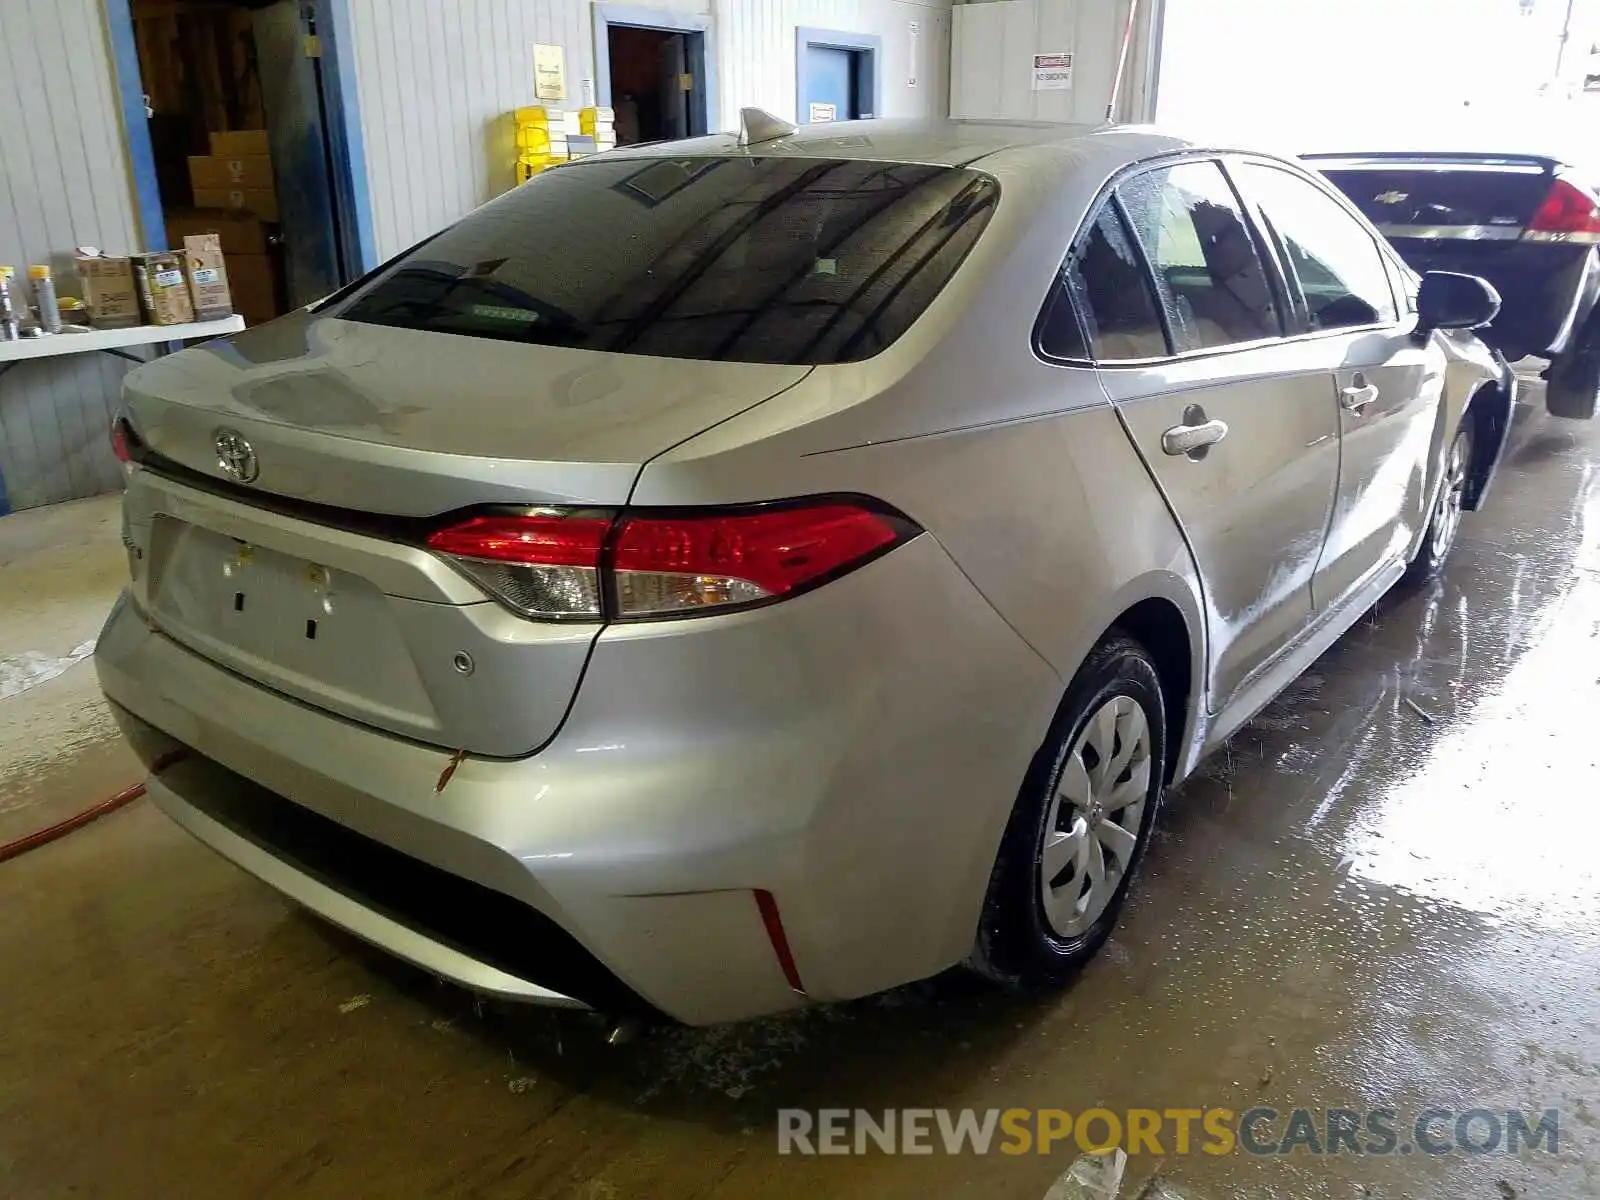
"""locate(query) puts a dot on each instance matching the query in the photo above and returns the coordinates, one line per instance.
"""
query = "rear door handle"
(1193, 440)
(1356, 398)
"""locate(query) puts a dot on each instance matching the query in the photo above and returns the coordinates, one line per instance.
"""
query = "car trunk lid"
(412, 424)
(1444, 198)
(312, 578)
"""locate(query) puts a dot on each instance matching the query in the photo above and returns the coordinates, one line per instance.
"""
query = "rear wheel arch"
(1489, 409)
(1160, 626)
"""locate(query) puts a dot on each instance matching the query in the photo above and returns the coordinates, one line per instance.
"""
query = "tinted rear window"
(768, 260)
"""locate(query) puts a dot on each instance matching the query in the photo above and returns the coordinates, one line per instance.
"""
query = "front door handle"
(1196, 438)
(1356, 397)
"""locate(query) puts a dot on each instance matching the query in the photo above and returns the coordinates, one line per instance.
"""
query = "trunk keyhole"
(238, 602)
(311, 630)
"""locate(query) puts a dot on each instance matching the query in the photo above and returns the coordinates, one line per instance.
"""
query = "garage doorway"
(655, 71)
(248, 136)
(836, 76)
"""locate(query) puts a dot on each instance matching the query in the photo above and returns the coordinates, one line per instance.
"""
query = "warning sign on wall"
(549, 72)
(1052, 72)
(822, 114)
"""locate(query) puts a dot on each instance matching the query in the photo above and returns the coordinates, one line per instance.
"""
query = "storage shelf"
(58, 344)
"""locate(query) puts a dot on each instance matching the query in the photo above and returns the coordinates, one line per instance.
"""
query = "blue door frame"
(869, 79)
(351, 198)
(701, 52)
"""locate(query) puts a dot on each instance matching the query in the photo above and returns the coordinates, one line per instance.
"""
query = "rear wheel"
(1445, 522)
(1080, 825)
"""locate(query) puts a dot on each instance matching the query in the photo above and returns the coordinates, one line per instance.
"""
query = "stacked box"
(246, 246)
(237, 174)
(207, 276)
(541, 140)
(163, 289)
(109, 291)
(253, 280)
(239, 232)
(601, 125)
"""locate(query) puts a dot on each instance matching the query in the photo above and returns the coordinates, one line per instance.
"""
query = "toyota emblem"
(236, 456)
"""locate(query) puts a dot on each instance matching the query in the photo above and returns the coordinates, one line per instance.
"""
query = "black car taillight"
(585, 565)
(1569, 214)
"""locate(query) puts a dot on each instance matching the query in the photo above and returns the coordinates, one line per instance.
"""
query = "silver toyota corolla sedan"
(768, 569)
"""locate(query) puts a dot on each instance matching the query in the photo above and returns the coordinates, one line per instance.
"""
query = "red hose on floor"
(42, 837)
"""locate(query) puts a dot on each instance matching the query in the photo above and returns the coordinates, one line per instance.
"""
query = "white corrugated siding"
(64, 182)
(438, 78)
(994, 45)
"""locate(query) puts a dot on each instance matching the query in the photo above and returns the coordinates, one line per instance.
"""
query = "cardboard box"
(253, 281)
(240, 143)
(163, 289)
(250, 171)
(262, 202)
(109, 291)
(241, 232)
(207, 275)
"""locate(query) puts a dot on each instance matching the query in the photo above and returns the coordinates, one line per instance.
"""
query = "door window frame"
(1292, 278)
(1280, 276)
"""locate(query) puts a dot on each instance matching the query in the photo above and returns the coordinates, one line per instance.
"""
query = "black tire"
(1444, 521)
(1017, 943)
(1572, 384)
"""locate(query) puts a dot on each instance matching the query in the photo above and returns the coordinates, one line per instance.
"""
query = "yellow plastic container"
(537, 150)
(530, 165)
(533, 139)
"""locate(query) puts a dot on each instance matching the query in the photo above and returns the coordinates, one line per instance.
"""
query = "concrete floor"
(1386, 894)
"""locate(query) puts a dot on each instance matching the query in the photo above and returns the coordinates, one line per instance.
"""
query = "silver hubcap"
(1447, 512)
(1095, 816)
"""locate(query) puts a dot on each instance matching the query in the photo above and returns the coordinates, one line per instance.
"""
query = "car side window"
(1112, 294)
(1208, 271)
(1340, 269)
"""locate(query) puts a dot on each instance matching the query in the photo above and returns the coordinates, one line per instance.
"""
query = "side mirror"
(1449, 300)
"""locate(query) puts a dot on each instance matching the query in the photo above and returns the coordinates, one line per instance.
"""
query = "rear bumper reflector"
(779, 939)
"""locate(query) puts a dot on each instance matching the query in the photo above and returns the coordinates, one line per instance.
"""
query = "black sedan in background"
(1527, 223)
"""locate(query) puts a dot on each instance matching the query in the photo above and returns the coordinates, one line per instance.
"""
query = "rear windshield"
(765, 260)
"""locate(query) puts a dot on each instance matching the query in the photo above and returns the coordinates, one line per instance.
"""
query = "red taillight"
(561, 565)
(121, 440)
(685, 563)
(534, 539)
(543, 564)
(1569, 214)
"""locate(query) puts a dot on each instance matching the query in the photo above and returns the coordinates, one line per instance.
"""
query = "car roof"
(950, 143)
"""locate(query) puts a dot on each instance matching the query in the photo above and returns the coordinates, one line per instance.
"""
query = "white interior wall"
(64, 182)
(758, 42)
(438, 78)
(994, 42)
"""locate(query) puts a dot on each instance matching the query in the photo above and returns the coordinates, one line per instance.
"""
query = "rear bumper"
(852, 752)
(261, 832)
